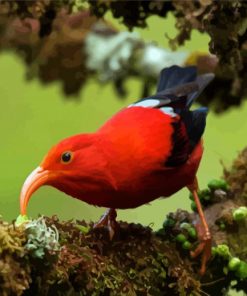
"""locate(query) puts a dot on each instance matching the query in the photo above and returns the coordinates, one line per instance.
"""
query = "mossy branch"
(50, 257)
(51, 36)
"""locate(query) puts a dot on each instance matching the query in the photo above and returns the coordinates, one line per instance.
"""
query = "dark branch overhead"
(48, 33)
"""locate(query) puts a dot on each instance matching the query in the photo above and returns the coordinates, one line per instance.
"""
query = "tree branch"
(51, 36)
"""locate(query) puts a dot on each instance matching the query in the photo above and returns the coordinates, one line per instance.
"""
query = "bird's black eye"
(66, 157)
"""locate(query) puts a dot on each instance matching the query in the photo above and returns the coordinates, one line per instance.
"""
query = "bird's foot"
(108, 220)
(203, 248)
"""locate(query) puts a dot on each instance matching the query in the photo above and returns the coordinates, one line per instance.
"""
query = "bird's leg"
(109, 220)
(204, 235)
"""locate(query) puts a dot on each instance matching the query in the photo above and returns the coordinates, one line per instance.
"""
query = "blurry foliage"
(117, 56)
(50, 55)
(51, 36)
(79, 260)
(224, 21)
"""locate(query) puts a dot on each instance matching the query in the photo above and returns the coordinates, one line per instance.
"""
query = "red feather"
(122, 165)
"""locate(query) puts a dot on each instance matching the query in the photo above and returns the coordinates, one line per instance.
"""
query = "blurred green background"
(34, 117)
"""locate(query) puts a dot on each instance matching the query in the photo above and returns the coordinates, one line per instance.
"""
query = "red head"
(70, 166)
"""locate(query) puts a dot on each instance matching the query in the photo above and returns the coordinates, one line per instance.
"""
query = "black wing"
(177, 89)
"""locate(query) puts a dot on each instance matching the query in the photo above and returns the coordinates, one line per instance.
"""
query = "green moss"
(192, 232)
(83, 229)
(240, 214)
(222, 251)
(15, 275)
(186, 245)
(204, 194)
(185, 225)
(222, 226)
(241, 271)
(85, 261)
(234, 263)
(181, 238)
(169, 222)
(189, 229)
(21, 219)
(218, 184)
(191, 197)
(193, 206)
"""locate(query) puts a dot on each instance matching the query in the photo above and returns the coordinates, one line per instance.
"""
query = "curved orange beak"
(36, 179)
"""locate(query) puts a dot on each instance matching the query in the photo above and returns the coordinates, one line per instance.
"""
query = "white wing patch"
(168, 111)
(151, 103)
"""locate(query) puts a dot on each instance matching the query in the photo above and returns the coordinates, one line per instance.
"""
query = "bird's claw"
(108, 220)
(203, 248)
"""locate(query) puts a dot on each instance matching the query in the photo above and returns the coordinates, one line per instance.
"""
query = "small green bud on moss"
(161, 232)
(225, 270)
(214, 251)
(169, 222)
(189, 228)
(186, 245)
(223, 251)
(241, 272)
(181, 238)
(21, 219)
(240, 213)
(207, 197)
(193, 206)
(83, 229)
(204, 194)
(185, 225)
(132, 273)
(222, 226)
(233, 283)
(192, 232)
(217, 184)
(234, 263)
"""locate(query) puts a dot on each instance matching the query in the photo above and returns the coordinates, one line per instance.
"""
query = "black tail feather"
(175, 76)
(182, 82)
(182, 86)
(202, 82)
(195, 123)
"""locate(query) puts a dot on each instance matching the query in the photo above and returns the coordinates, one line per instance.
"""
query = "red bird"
(149, 149)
